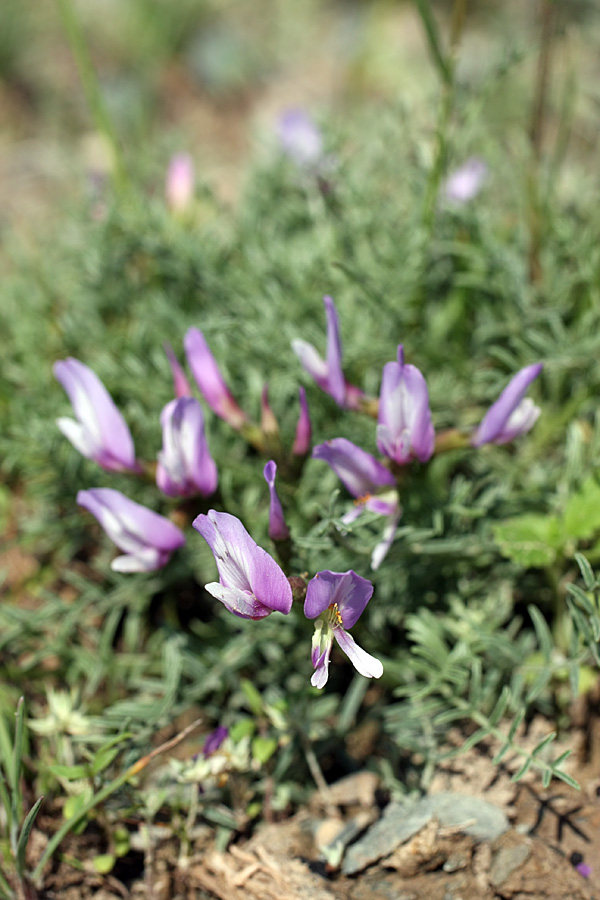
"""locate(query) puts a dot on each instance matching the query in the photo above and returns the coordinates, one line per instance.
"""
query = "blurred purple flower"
(584, 869)
(338, 599)
(210, 381)
(179, 185)
(278, 530)
(147, 539)
(362, 474)
(300, 139)
(185, 466)
(364, 477)
(328, 374)
(465, 182)
(512, 414)
(100, 432)
(181, 386)
(303, 436)
(214, 740)
(251, 584)
(404, 429)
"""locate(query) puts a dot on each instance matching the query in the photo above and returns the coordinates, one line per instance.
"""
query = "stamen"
(335, 617)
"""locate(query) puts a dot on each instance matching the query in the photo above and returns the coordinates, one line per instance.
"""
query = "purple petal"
(181, 386)
(404, 428)
(146, 538)
(335, 376)
(268, 422)
(242, 564)
(346, 590)
(322, 642)
(100, 433)
(362, 661)
(210, 381)
(214, 740)
(303, 436)
(185, 466)
(278, 530)
(494, 426)
(360, 472)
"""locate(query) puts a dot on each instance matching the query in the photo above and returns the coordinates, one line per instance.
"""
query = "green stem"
(91, 87)
(448, 73)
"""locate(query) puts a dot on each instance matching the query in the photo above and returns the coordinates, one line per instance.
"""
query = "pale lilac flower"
(251, 584)
(300, 139)
(147, 539)
(210, 381)
(100, 432)
(278, 530)
(404, 429)
(512, 414)
(584, 869)
(328, 374)
(181, 386)
(185, 466)
(179, 185)
(303, 435)
(370, 482)
(465, 182)
(338, 599)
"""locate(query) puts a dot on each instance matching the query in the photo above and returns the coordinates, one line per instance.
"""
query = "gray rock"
(400, 821)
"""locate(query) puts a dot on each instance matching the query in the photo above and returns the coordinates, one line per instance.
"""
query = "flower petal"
(491, 429)
(242, 564)
(107, 436)
(360, 472)
(241, 603)
(335, 376)
(278, 530)
(362, 661)
(209, 379)
(346, 590)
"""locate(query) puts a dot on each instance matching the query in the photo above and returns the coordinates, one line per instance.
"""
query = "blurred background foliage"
(474, 292)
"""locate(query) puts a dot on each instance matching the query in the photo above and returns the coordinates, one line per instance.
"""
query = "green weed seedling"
(15, 883)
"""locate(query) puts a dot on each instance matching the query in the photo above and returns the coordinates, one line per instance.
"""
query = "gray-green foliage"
(449, 612)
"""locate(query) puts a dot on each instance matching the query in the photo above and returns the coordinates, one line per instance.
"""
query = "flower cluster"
(404, 432)
(251, 584)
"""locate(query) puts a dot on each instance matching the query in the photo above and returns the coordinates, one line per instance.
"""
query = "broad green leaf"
(531, 541)
(582, 512)
(263, 748)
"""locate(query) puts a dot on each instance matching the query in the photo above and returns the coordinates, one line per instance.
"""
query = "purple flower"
(179, 185)
(100, 432)
(181, 386)
(338, 599)
(210, 381)
(404, 429)
(278, 530)
(251, 584)
(328, 374)
(147, 539)
(214, 740)
(465, 182)
(300, 139)
(185, 466)
(364, 477)
(584, 869)
(303, 436)
(362, 474)
(512, 414)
